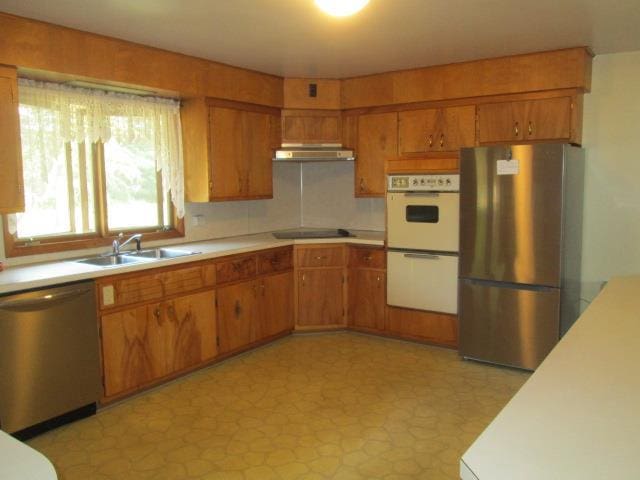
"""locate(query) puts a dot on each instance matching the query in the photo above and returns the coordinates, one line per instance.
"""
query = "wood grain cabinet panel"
(436, 328)
(320, 257)
(11, 179)
(320, 297)
(367, 258)
(367, 299)
(191, 338)
(133, 347)
(238, 268)
(528, 120)
(377, 142)
(275, 260)
(311, 126)
(236, 316)
(275, 300)
(436, 130)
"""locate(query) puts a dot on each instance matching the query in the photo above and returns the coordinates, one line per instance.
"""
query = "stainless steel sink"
(159, 253)
(110, 260)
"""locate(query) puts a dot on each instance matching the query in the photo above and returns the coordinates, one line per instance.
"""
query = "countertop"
(578, 415)
(14, 279)
(19, 461)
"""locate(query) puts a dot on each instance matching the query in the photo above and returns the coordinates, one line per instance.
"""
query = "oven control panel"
(423, 183)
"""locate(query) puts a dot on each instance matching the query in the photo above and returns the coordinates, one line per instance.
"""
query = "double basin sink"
(135, 256)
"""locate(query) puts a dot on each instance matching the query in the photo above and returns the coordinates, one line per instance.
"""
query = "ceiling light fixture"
(341, 8)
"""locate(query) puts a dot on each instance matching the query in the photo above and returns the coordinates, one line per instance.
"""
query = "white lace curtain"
(95, 115)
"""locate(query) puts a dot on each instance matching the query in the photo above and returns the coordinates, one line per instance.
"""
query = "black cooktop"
(335, 233)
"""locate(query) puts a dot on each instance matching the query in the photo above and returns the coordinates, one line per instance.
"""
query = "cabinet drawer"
(186, 279)
(276, 260)
(239, 268)
(321, 257)
(367, 258)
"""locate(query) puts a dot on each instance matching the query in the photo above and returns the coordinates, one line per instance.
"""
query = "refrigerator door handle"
(422, 194)
(423, 256)
(516, 286)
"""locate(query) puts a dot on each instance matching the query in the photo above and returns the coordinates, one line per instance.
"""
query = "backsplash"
(328, 201)
(310, 195)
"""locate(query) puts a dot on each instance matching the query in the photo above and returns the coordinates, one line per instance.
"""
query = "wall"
(611, 230)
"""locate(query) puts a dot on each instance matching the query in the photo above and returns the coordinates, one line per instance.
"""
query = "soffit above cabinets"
(292, 38)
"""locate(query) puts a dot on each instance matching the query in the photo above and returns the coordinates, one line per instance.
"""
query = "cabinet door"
(548, 119)
(276, 305)
(258, 132)
(229, 165)
(132, 348)
(11, 186)
(320, 298)
(501, 122)
(377, 141)
(311, 126)
(458, 128)
(418, 131)
(236, 314)
(367, 304)
(191, 338)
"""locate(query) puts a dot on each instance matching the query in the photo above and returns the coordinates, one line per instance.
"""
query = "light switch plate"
(107, 295)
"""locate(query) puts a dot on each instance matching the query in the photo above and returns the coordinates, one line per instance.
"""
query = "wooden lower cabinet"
(320, 297)
(236, 316)
(254, 310)
(276, 305)
(145, 343)
(367, 299)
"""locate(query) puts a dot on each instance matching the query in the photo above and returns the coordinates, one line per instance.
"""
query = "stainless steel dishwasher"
(49, 361)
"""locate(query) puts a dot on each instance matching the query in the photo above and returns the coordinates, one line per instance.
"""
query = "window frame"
(15, 247)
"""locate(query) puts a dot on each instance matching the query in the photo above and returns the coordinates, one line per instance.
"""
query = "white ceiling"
(293, 38)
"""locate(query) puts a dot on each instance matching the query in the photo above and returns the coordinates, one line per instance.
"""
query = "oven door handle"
(422, 256)
(421, 194)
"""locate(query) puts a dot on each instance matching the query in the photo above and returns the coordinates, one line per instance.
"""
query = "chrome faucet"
(117, 245)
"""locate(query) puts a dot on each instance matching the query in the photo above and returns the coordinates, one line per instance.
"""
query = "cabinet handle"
(238, 309)
(516, 129)
(378, 278)
(321, 258)
(368, 258)
(442, 140)
(303, 278)
(430, 141)
(530, 129)
(210, 186)
(156, 313)
(362, 187)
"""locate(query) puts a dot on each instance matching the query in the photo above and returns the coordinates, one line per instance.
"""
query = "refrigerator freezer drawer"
(422, 281)
(508, 325)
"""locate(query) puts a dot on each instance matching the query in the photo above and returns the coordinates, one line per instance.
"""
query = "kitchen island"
(578, 416)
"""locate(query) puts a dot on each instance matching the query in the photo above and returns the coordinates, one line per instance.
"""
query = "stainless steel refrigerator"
(520, 248)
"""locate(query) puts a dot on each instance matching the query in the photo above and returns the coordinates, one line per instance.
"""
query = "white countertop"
(21, 462)
(25, 277)
(578, 415)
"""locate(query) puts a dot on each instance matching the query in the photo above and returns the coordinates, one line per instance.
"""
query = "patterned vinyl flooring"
(324, 406)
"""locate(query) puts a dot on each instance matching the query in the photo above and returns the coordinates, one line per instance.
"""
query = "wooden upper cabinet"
(377, 142)
(529, 120)
(311, 126)
(228, 149)
(436, 130)
(11, 181)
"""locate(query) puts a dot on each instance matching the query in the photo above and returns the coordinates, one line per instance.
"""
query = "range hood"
(319, 152)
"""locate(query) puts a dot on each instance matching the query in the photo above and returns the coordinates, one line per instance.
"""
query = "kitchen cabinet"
(11, 180)
(261, 305)
(377, 142)
(528, 120)
(436, 130)
(149, 342)
(320, 282)
(311, 126)
(236, 316)
(431, 327)
(228, 150)
(367, 288)
(155, 324)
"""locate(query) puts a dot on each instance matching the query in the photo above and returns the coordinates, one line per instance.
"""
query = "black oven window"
(422, 213)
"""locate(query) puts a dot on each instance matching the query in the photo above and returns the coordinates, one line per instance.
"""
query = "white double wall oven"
(422, 238)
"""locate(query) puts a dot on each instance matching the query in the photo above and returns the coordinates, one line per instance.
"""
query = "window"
(95, 164)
